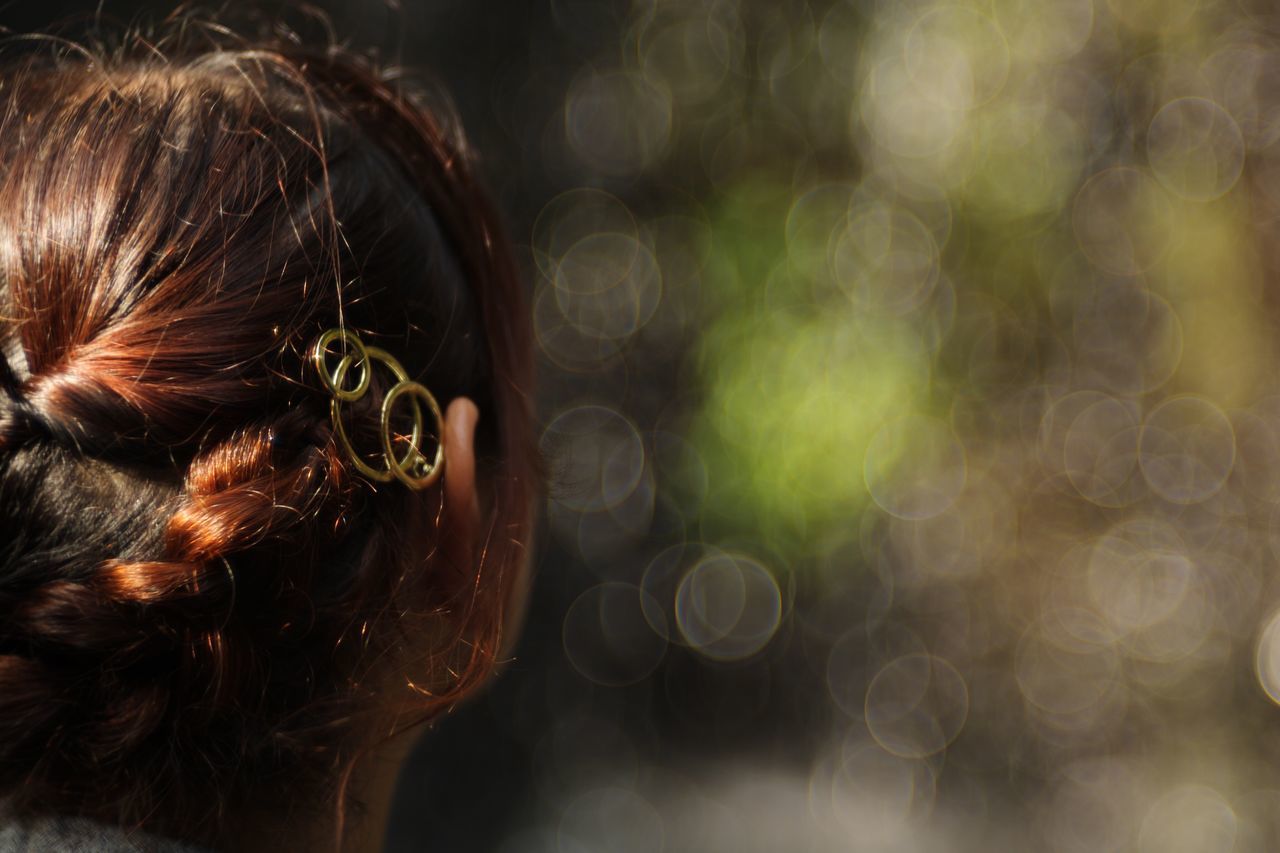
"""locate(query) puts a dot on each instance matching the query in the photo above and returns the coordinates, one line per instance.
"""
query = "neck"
(372, 783)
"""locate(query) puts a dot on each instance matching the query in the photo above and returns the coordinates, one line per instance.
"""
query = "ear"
(461, 533)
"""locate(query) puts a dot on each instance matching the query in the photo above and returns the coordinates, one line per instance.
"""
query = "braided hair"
(200, 597)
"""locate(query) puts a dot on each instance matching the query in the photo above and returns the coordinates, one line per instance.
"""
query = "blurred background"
(909, 389)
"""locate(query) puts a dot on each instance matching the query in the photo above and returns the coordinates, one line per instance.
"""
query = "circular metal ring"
(404, 469)
(389, 360)
(413, 469)
(333, 381)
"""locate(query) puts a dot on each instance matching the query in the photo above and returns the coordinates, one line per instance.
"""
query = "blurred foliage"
(911, 377)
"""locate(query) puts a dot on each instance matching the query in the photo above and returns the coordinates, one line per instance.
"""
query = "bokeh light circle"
(1045, 32)
(1267, 658)
(597, 457)
(915, 467)
(1101, 450)
(684, 49)
(916, 705)
(728, 606)
(884, 258)
(608, 285)
(1195, 148)
(574, 215)
(1064, 681)
(1190, 819)
(955, 54)
(1187, 449)
(1139, 574)
(610, 637)
(1122, 221)
(617, 122)
(876, 795)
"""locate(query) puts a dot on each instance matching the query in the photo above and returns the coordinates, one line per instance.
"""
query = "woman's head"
(202, 600)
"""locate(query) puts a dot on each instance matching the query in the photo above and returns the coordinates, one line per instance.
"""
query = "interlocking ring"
(413, 468)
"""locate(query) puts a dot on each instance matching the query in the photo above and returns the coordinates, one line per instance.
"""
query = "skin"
(374, 777)
(462, 515)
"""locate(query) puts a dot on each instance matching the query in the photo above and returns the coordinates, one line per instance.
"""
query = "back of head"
(202, 601)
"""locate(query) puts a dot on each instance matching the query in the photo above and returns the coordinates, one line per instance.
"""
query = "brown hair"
(198, 593)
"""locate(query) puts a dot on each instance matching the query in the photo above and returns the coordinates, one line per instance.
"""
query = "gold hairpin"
(413, 469)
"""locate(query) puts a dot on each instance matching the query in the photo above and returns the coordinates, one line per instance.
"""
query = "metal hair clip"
(413, 468)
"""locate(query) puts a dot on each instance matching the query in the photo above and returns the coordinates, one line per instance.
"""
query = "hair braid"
(134, 647)
(198, 600)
